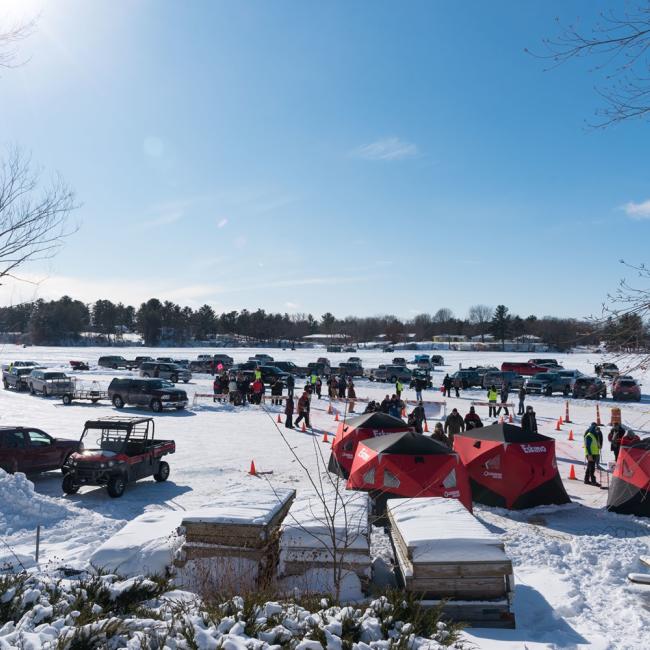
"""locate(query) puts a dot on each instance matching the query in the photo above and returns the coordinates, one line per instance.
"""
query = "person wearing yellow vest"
(492, 396)
(399, 387)
(258, 374)
(592, 454)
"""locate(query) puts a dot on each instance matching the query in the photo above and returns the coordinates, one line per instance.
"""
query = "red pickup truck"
(523, 367)
(28, 450)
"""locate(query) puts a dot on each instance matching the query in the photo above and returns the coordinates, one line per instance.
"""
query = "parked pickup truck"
(16, 378)
(607, 370)
(127, 451)
(49, 382)
(547, 383)
(349, 369)
(157, 394)
(468, 378)
(390, 373)
(115, 361)
(28, 450)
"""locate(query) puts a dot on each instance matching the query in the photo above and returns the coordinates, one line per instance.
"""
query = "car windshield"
(54, 375)
(161, 383)
(546, 376)
(627, 382)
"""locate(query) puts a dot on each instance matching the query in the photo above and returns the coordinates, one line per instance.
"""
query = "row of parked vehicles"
(121, 451)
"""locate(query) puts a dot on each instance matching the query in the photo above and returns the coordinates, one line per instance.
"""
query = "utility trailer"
(93, 394)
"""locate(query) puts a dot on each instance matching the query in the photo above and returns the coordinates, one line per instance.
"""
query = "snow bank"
(22, 508)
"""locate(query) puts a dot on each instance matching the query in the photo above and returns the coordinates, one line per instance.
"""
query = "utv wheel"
(163, 472)
(548, 392)
(67, 400)
(118, 402)
(65, 468)
(69, 486)
(116, 486)
(31, 389)
(156, 406)
(393, 380)
(174, 379)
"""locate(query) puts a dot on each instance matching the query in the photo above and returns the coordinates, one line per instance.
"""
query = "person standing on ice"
(384, 407)
(418, 417)
(303, 409)
(288, 413)
(399, 387)
(472, 420)
(419, 386)
(319, 387)
(492, 401)
(529, 420)
(439, 435)
(446, 386)
(454, 424)
(522, 398)
(291, 382)
(504, 400)
(342, 385)
(352, 395)
(458, 384)
(615, 435)
(592, 454)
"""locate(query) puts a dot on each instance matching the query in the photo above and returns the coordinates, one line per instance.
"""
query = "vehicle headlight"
(111, 463)
(164, 397)
(102, 465)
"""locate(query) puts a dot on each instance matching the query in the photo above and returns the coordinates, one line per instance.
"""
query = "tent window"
(390, 480)
(450, 480)
(369, 477)
(419, 459)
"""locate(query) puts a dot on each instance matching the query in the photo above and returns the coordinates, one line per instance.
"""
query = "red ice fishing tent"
(409, 465)
(362, 427)
(511, 468)
(629, 491)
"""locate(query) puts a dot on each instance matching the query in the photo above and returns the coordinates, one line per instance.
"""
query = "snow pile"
(44, 612)
(22, 507)
(146, 544)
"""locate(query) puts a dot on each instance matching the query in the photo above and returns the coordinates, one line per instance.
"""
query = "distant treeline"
(62, 321)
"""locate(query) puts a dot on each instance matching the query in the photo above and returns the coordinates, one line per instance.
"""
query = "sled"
(639, 578)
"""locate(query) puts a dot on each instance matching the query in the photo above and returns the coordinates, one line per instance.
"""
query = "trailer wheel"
(118, 402)
(69, 486)
(156, 405)
(116, 486)
(174, 379)
(67, 399)
(163, 472)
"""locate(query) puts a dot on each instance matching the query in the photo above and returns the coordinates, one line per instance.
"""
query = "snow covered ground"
(570, 562)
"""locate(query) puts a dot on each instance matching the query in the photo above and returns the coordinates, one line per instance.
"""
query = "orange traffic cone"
(325, 438)
(557, 426)
(279, 419)
(329, 409)
(511, 419)
(253, 471)
(426, 427)
(561, 421)
(571, 434)
(598, 422)
(404, 412)
(572, 474)
(303, 428)
(336, 418)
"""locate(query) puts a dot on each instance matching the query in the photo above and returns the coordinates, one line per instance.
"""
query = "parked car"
(183, 363)
(589, 388)
(355, 360)
(547, 383)
(115, 361)
(169, 371)
(289, 367)
(399, 361)
(271, 373)
(522, 367)
(25, 449)
(334, 348)
(626, 388)
(424, 375)
(349, 348)
(468, 378)
(422, 361)
(224, 359)
(264, 359)
(49, 382)
(127, 451)
(320, 368)
(16, 378)
(156, 394)
(606, 370)
(140, 360)
(165, 360)
(549, 363)
(19, 364)
(388, 348)
(570, 376)
(391, 373)
(352, 369)
(499, 377)
(437, 360)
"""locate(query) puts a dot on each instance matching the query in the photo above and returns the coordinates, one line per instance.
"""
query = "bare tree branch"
(10, 37)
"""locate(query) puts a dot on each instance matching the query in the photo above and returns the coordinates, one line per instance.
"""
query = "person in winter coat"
(615, 436)
(395, 407)
(319, 387)
(629, 438)
(419, 386)
(472, 420)
(288, 412)
(522, 398)
(458, 384)
(592, 454)
(439, 435)
(257, 390)
(417, 418)
(529, 420)
(233, 391)
(303, 409)
(454, 424)
(342, 385)
(384, 407)
(492, 396)
(276, 392)
(216, 389)
(446, 386)
(291, 382)
(505, 391)
(352, 395)
(399, 387)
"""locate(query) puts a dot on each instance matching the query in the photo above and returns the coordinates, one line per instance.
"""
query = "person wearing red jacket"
(303, 410)
(258, 389)
(629, 438)
(472, 420)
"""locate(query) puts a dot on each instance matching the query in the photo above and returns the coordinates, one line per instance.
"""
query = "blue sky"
(352, 157)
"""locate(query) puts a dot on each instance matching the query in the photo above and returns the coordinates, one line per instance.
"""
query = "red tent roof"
(629, 492)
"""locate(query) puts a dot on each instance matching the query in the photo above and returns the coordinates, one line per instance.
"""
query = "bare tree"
(33, 214)
(480, 316)
(620, 42)
(10, 37)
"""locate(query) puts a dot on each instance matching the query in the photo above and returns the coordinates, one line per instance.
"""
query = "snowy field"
(570, 562)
